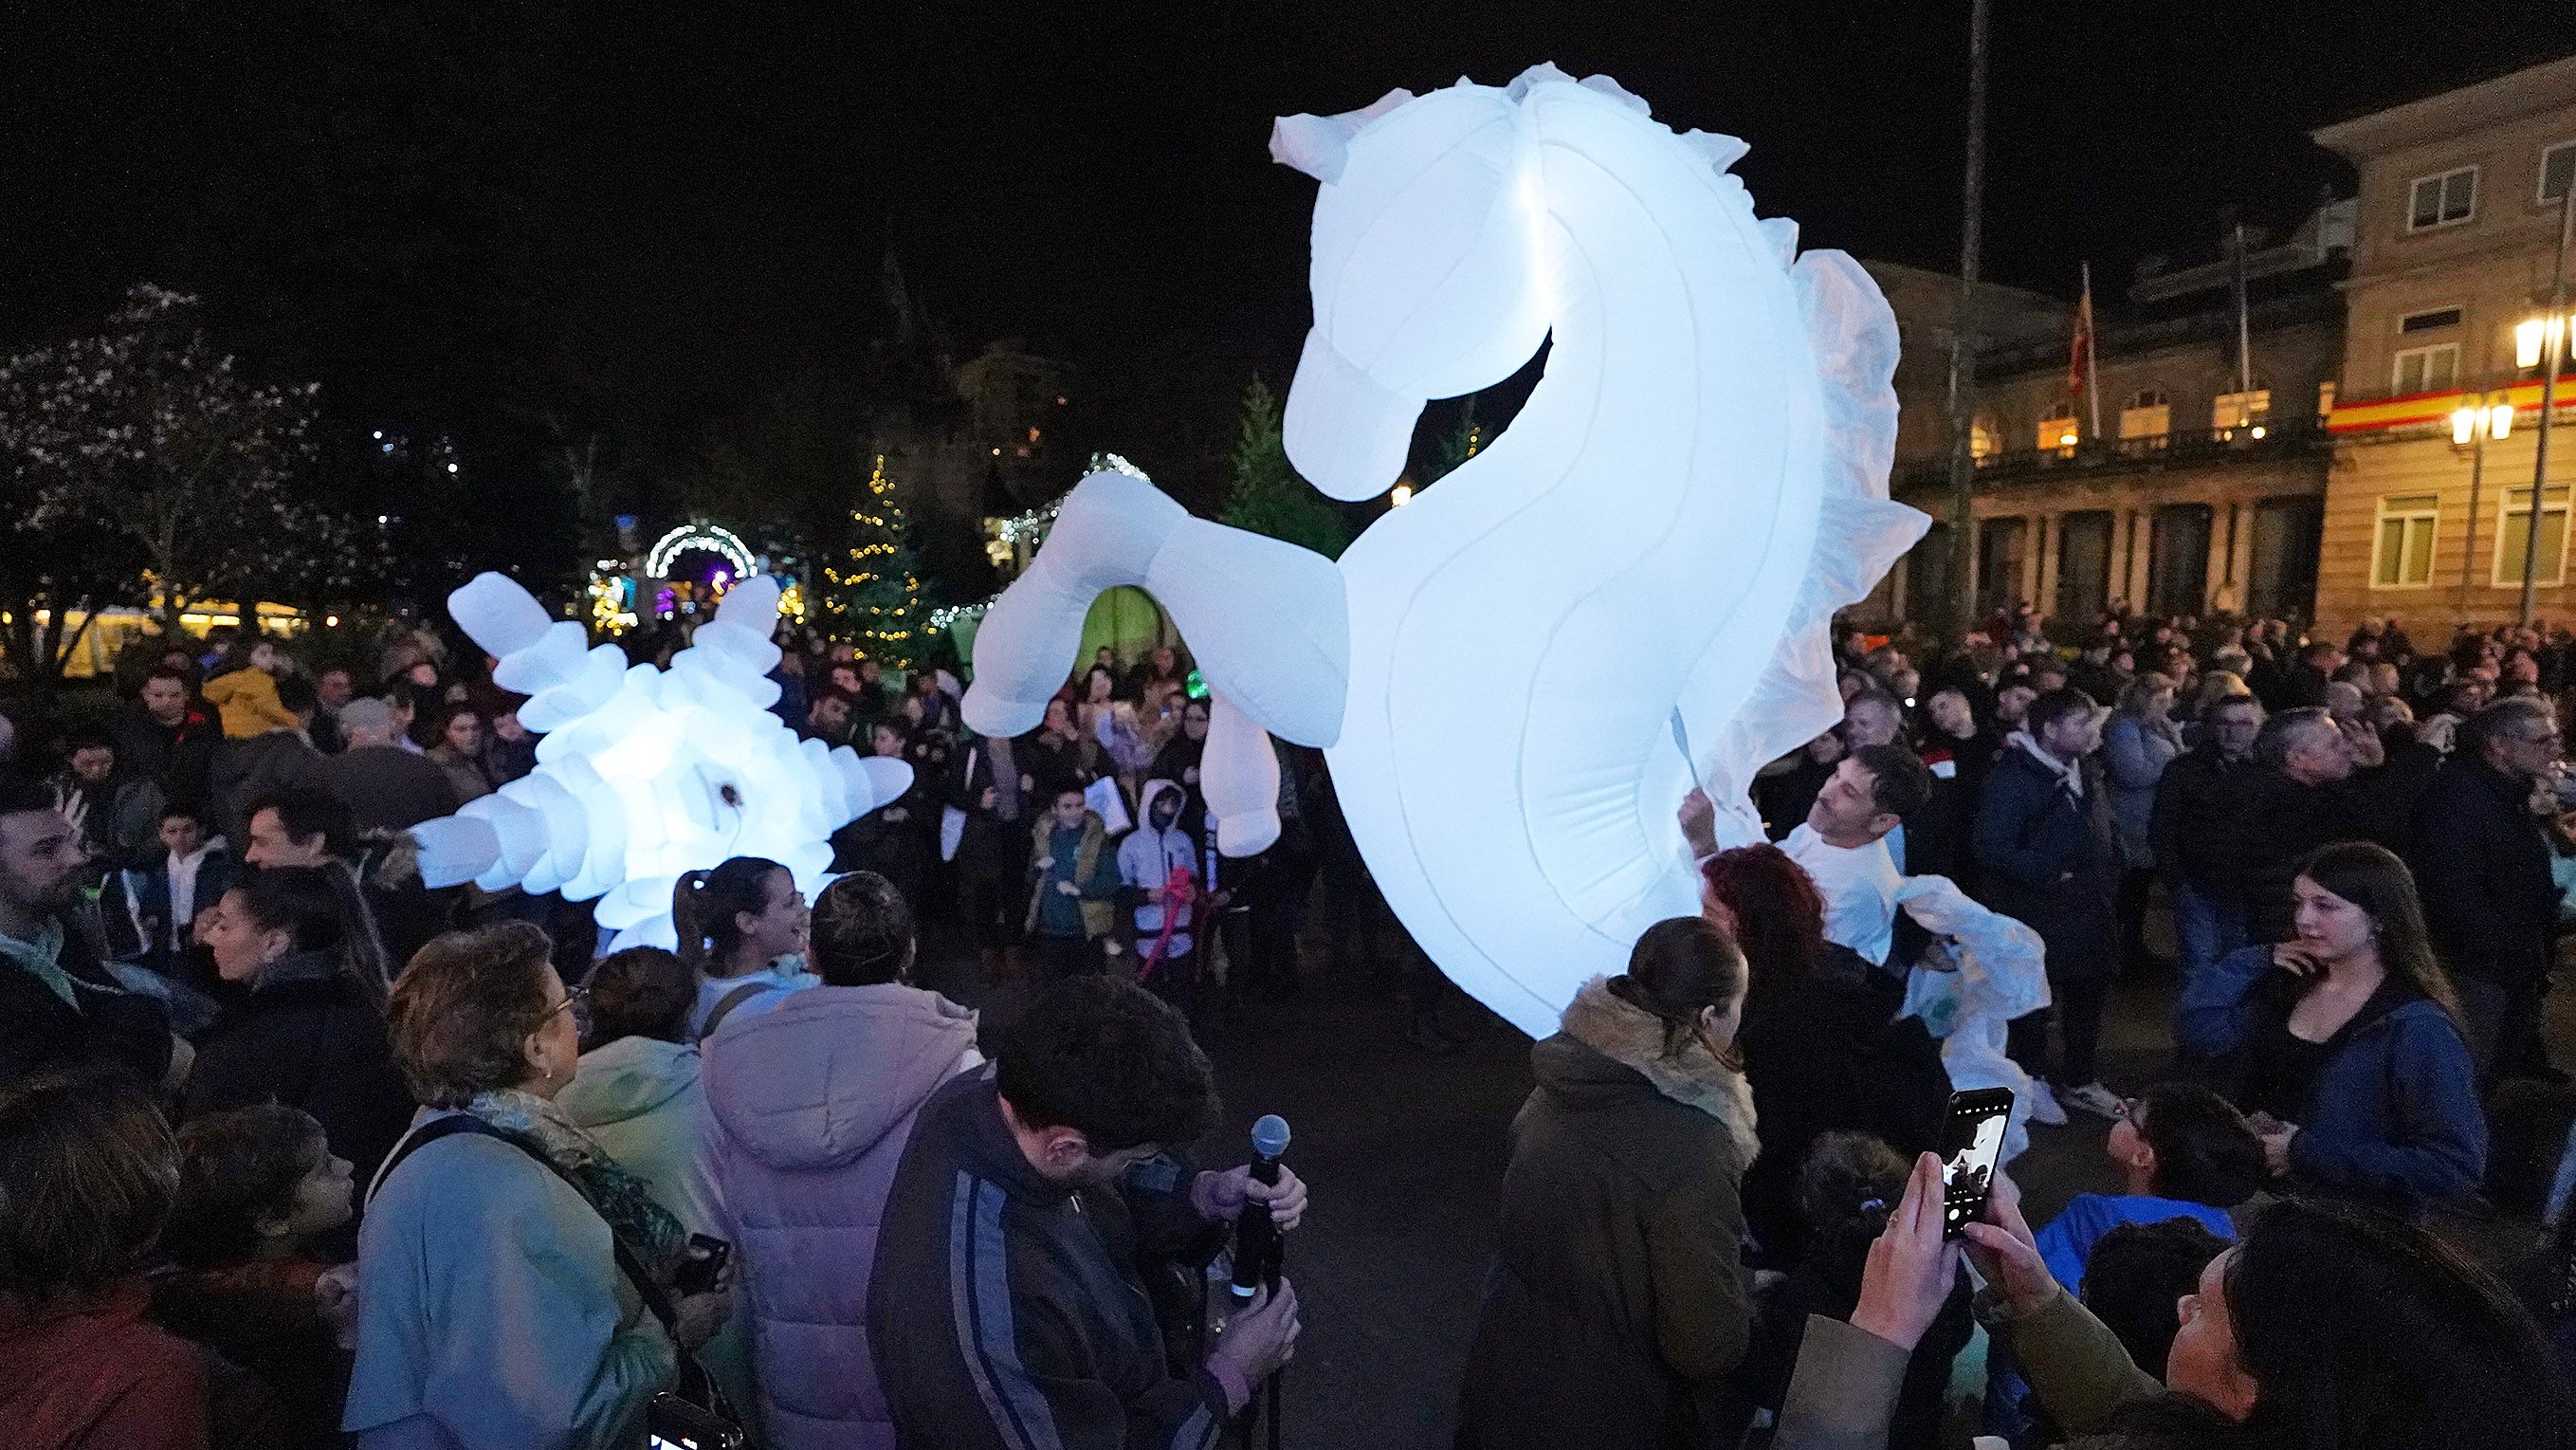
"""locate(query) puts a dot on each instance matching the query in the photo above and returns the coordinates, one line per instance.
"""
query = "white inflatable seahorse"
(1519, 676)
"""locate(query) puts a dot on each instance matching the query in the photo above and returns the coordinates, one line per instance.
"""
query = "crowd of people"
(295, 1151)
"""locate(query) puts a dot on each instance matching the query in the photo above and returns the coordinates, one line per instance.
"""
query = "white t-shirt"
(1859, 885)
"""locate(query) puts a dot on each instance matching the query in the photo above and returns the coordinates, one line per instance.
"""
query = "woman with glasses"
(496, 1305)
(2345, 1040)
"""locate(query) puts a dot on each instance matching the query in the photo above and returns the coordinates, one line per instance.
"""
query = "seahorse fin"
(1860, 531)
(1720, 152)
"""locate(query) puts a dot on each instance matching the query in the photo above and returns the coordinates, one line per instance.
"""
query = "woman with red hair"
(1823, 1047)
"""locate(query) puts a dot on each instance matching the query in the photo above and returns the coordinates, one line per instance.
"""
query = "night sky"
(686, 207)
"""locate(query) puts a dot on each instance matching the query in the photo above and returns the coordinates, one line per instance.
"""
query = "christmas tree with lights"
(873, 598)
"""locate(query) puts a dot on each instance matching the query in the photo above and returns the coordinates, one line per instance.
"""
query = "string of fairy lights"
(1030, 527)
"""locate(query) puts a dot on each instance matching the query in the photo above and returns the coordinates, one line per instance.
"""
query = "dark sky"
(694, 199)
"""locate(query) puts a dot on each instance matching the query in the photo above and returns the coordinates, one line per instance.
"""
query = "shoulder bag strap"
(729, 1001)
(462, 1123)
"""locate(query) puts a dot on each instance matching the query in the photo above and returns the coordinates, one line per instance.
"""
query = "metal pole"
(2553, 349)
(2477, 480)
(1963, 339)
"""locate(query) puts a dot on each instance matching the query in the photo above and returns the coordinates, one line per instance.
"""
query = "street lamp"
(2472, 424)
(2465, 420)
(2533, 336)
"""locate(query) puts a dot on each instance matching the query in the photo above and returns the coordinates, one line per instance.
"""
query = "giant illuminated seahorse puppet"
(1519, 676)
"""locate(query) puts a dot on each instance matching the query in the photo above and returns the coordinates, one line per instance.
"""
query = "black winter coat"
(103, 1026)
(304, 1037)
(2195, 821)
(1831, 1055)
(2482, 867)
(2050, 860)
(1618, 1307)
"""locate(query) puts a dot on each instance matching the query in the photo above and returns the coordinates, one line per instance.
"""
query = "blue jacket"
(2394, 1115)
(491, 1313)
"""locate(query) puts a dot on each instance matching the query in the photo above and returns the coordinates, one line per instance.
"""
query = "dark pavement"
(1404, 1151)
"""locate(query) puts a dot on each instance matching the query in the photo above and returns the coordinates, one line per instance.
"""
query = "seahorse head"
(1426, 274)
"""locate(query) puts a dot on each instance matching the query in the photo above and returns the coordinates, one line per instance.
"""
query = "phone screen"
(1972, 1146)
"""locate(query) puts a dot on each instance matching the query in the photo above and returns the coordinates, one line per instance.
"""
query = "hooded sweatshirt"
(813, 1102)
(1146, 860)
(644, 1101)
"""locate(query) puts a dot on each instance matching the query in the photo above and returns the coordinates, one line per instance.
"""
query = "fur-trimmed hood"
(1633, 1038)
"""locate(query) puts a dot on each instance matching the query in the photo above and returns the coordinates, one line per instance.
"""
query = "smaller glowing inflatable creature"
(645, 774)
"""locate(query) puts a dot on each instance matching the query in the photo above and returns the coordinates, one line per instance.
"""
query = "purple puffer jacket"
(813, 1101)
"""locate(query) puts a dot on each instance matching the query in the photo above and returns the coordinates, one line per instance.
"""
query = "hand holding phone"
(1972, 1149)
(704, 1266)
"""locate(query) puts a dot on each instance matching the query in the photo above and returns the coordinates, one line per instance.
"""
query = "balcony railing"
(2270, 438)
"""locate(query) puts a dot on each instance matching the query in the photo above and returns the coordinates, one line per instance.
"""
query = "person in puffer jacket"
(813, 1101)
(639, 1091)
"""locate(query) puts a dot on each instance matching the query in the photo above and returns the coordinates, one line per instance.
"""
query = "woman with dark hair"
(1061, 754)
(1107, 714)
(459, 754)
(2345, 1040)
(2329, 1328)
(310, 1031)
(742, 930)
(1823, 1049)
(493, 1306)
(894, 840)
(1617, 1305)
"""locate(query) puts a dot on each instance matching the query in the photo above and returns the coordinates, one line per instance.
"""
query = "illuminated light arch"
(667, 550)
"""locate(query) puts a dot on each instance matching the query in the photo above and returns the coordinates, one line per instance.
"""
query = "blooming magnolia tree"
(138, 460)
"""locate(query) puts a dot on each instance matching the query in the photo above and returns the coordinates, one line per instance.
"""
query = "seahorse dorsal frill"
(1626, 591)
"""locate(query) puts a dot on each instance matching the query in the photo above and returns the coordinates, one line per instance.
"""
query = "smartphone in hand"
(1972, 1148)
(705, 1264)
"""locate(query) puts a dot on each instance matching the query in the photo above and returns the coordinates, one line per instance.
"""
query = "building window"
(2557, 164)
(2235, 415)
(2442, 200)
(2058, 432)
(2427, 369)
(2148, 414)
(1981, 439)
(2513, 533)
(2402, 555)
(2439, 317)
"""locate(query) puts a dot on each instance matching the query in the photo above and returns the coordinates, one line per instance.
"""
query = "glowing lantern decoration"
(644, 774)
(1519, 674)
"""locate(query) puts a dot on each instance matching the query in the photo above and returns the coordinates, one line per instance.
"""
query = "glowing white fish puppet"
(643, 773)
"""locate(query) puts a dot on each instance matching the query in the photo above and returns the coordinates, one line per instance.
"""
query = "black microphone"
(1257, 1251)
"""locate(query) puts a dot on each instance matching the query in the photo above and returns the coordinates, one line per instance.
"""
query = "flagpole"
(2092, 365)
(2552, 357)
(1962, 390)
(2244, 336)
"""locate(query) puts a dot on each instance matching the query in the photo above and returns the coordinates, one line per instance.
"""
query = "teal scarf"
(622, 1198)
